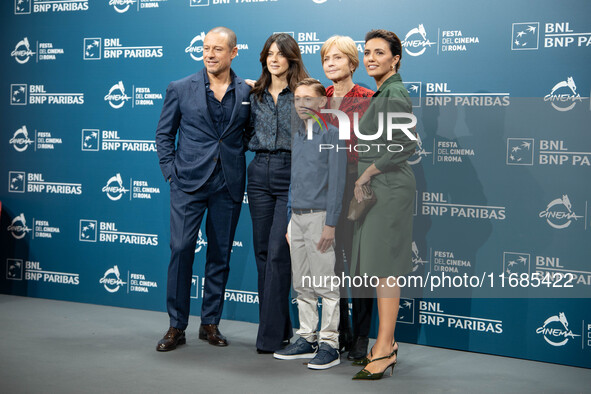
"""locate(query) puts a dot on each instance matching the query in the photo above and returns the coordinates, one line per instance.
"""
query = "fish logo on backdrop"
(112, 280)
(564, 92)
(559, 213)
(18, 227)
(114, 188)
(555, 330)
(525, 36)
(22, 51)
(415, 42)
(116, 96)
(195, 48)
(20, 140)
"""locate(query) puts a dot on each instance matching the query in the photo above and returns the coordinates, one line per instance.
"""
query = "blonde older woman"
(340, 59)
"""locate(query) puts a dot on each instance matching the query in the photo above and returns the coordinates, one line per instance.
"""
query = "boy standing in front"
(318, 173)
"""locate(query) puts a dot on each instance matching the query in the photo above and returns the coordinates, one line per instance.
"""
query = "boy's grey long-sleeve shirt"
(318, 171)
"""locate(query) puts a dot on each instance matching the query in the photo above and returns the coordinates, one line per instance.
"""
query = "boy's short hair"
(314, 83)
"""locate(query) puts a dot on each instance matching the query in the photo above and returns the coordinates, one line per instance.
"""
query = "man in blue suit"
(210, 112)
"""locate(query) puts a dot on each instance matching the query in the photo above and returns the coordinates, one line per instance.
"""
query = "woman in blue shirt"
(268, 184)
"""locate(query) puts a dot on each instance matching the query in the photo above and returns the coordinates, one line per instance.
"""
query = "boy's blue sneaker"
(300, 349)
(326, 357)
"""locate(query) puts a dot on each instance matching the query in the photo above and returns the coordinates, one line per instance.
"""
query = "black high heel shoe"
(366, 360)
(364, 374)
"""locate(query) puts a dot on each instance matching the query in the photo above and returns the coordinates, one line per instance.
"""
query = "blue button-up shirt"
(318, 175)
(220, 111)
(271, 122)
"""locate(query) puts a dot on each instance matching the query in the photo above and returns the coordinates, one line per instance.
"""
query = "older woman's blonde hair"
(344, 44)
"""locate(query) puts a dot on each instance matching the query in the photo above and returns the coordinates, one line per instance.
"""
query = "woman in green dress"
(382, 244)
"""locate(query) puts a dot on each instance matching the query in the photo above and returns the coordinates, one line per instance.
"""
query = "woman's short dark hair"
(391, 38)
(291, 50)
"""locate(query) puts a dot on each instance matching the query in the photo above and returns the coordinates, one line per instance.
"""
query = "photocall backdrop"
(500, 91)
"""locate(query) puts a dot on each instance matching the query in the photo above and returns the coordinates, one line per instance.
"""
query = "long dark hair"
(291, 50)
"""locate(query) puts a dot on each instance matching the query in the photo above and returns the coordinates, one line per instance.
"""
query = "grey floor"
(64, 347)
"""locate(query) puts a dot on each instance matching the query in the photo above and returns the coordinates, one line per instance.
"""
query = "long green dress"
(382, 243)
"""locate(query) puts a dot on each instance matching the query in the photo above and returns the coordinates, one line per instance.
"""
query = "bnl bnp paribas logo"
(97, 48)
(555, 330)
(526, 36)
(559, 213)
(564, 96)
(22, 7)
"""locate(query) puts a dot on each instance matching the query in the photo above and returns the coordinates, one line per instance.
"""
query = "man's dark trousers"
(186, 214)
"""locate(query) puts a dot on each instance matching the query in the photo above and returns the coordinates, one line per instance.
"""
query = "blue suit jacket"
(199, 145)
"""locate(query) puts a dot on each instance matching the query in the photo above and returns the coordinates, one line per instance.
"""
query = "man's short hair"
(314, 83)
(228, 32)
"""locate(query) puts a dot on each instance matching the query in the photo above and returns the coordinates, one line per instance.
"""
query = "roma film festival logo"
(195, 48)
(116, 96)
(417, 261)
(20, 140)
(112, 280)
(415, 42)
(520, 151)
(420, 152)
(22, 51)
(559, 213)
(201, 242)
(555, 330)
(18, 227)
(114, 188)
(564, 92)
(525, 35)
(121, 6)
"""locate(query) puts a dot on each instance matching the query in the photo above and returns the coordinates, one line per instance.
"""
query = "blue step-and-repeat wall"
(503, 168)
